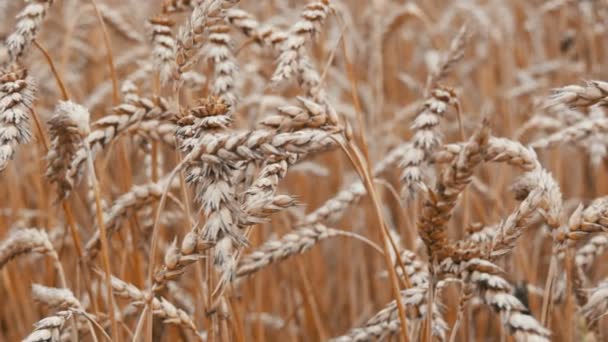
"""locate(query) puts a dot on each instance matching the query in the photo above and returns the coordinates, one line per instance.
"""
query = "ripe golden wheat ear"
(224, 170)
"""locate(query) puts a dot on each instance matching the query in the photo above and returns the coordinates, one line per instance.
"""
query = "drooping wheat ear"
(591, 93)
(126, 117)
(306, 28)
(294, 243)
(49, 328)
(219, 52)
(532, 189)
(139, 196)
(68, 126)
(29, 21)
(190, 36)
(310, 115)
(16, 96)
(160, 306)
(495, 292)
(592, 219)
(119, 23)
(163, 46)
(333, 209)
(60, 299)
(174, 6)
(55, 298)
(574, 133)
(440, 202)
(501, 150)
(386, 322)
(426, 139)
(24, 241)
(597, 304)
(538, 192)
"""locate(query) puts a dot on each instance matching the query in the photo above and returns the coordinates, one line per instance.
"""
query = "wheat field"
(282, 170)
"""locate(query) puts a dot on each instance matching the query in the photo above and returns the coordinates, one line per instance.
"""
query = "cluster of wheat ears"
(281, 170)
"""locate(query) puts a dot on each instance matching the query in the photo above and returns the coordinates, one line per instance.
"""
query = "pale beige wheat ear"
(574, 133)
(163, 46)
(160, 306)
(386, 322)
(24, 241)
(591, 93)
(426, 140)
(16, 99)
(500, 150)
(540, 193)
(60, 299)
(292, 52)
(427, 137)
(68, 127)
(190, 36)
(54, 297)
(495, 292)
(30, 240)
(49, 329)
(294, 243)
(29, 21)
